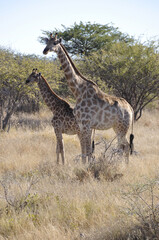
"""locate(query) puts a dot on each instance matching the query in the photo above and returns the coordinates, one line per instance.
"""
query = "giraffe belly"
(102, 121)
(70, 128)
(102, 126)
(69, 132)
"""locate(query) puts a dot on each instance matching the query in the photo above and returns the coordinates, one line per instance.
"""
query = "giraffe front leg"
(60, 145)
(83, 147)
(86, 143)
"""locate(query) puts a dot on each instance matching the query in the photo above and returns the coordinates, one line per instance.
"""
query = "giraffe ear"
(39, 74)
(45, 40)
(55, 36)
(60, 40)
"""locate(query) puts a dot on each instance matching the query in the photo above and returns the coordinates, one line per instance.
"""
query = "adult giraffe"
(63, 119)
(94, 109)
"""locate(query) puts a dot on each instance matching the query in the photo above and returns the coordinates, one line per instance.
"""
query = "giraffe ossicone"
(94, 109)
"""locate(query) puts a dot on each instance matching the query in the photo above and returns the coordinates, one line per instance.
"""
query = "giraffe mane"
(53, 91)
(74, 67)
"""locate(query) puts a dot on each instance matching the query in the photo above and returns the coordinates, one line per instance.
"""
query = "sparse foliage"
(11, 184)
(128, 71)
(14, 93)
(142, 203)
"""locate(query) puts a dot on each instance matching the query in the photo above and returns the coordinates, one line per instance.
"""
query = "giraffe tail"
(131, 143)
(93, 144)
(132, 135)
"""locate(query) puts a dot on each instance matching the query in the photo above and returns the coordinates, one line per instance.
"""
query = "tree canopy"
(14, 70)
(129, 71)
(84, 38)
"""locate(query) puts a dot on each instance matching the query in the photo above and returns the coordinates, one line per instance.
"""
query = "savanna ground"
(106, 200)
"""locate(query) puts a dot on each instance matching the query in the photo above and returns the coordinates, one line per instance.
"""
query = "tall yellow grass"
(42, 200)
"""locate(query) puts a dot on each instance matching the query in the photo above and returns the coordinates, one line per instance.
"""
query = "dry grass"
(40, 200)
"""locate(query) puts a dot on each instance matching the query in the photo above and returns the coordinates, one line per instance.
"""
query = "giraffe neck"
(74, 79)
(50, 97)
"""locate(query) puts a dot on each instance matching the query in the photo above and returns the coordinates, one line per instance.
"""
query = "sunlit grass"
(42, 200)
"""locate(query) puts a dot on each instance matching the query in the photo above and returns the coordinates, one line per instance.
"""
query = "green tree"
(83, 39)
(129, 71)
(14, 93)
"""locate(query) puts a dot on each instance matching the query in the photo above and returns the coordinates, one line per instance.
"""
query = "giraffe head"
(34, 76)
(51, 44)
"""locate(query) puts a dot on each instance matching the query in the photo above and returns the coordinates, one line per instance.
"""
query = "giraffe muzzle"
(27, 81)
(46, 50)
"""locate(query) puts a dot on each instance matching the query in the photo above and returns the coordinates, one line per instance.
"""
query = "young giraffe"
(94, 109)
(63, 119)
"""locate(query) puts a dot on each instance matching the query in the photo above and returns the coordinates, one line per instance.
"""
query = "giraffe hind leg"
(123, 144)
(89, 145)
(126, 149)
(62, 152)
(57, 152)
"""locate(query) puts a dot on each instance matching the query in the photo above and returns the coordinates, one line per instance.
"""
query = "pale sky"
(22, 21)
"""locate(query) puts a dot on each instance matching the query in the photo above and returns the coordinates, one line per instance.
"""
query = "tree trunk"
(1, 113)
(7, 118)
